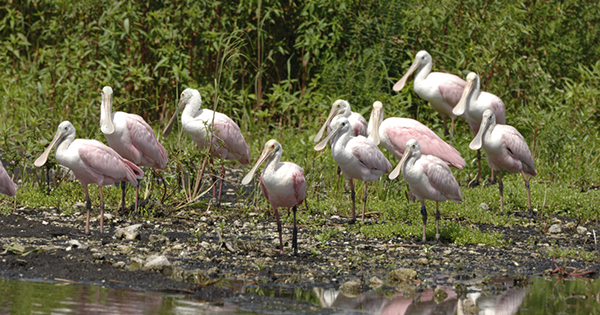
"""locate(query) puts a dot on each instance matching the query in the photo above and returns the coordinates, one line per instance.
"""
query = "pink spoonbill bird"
(394, 133)
(282, 183)
(358, 157)
(473, 103)
(207, 127)
(341, 108)
(506, 149)
(428, 178)
(7, 186)
(133, 139)
(442, 90)
(91, 162)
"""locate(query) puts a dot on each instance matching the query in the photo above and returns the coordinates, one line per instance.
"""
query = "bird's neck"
(273, 162)
(423, 71)
(64, 143)
(192, 107)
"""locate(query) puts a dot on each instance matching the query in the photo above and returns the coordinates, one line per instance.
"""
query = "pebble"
(554, 228)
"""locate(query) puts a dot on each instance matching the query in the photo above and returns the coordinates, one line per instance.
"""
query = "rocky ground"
(195, 250)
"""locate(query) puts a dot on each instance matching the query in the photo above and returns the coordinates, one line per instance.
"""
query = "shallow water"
(500, 295)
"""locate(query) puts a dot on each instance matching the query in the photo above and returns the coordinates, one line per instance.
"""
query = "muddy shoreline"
(205, 257)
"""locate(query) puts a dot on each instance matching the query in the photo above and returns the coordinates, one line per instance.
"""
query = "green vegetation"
(275, 67)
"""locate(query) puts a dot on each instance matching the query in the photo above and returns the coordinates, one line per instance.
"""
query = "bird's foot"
(352, 221)
(474, 183)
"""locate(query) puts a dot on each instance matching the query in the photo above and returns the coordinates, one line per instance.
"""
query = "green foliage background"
(276, 66)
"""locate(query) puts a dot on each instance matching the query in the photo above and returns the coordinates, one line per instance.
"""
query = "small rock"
(129, 233)
(157, 238)
(119, 264)
(78, 205)
(439, 295)
(469, 308)
(350, 288)
(423, 261)
(135, 263)
(581, 230)
(570, 227)
(375, 282)
(213, 270)
(107, 216)
(554, 228)
(156, 262)
(402, 274)
(98, 256)
(535, 255)
(124, 249)
(484, 206)
(76, 244)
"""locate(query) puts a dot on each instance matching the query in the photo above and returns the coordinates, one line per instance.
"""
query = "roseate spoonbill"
(428, 178)
(207, 127)
(341, 108)
(282, 183)
(92, 162)
(7, 186)
(133, 139)
(442, 90)
(394, 132)
(506, 149)
(358, 157)
(473, 103)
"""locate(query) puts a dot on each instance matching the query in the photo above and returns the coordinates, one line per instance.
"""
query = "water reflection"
(498, 296)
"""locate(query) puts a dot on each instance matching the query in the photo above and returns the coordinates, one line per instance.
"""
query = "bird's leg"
(437, 221)
(446, 133)
(452, 127)
(295, 233)
(424, 214)
(279, 230)
(162, 200)
(221, 180)
(101, 209)
(528, 193)
(137, 198)
(501, 187)
(353, 195)
(479, 166)
(337, 182)
(364, 202)
(123, 188)
(492, 180)
(88, 206)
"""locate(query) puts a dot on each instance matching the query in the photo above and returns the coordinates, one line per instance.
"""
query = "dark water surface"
(500, 295)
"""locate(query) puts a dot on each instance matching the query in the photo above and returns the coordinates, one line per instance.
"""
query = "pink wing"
(299, 186)
(7, 186)
(369, 154)
(499, 110)
(105, 165)
(144, 139)
(517, 147)
(232, 139)
(440, 177)
(358, 123)
(452, 89)
(400, 130)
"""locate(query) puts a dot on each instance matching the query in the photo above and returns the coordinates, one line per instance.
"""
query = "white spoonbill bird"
(282, 183)
(394, 133)
(207, 127)
(442, 90)
(473, 103)
(7, 186)
(92, 162)
(506, 149)
(341, 108)
(133, 139)
(358, 157)
(428, 178)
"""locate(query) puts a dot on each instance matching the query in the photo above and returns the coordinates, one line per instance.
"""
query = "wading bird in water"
(472, 104)
(7, 186)
(282, 183)
(358, 158)
(428, 178)
(393, 134)
(207, 127)
(133, 139)
(506, 149)
(92, 162)
(442, 90)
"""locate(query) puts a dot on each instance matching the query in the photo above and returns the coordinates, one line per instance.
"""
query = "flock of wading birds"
(424, 157)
